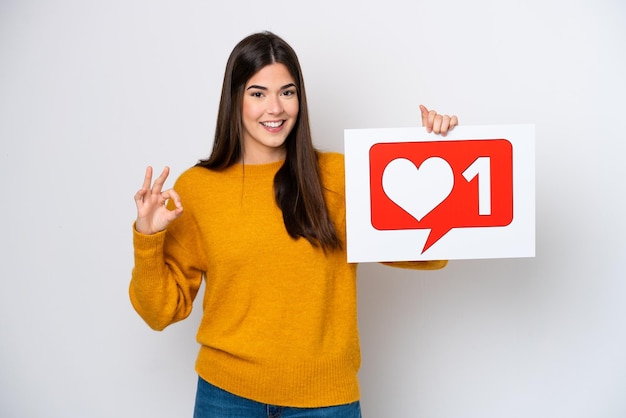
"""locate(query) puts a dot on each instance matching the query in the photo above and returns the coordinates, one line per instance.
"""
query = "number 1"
(481, 168)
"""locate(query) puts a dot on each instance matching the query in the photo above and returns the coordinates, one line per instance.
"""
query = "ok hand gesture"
(152, 214)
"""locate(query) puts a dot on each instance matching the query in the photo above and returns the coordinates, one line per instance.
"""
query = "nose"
(274, 106)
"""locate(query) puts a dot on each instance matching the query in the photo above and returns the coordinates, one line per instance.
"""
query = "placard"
(411, 195)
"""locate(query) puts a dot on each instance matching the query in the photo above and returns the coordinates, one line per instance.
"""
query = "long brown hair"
(297, 184)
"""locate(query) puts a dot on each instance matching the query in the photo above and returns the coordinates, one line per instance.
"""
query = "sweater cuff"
(148, 246)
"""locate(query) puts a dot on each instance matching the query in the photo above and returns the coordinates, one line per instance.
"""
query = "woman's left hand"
(439, 124)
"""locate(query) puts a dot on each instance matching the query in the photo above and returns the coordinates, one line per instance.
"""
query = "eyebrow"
(286, 86)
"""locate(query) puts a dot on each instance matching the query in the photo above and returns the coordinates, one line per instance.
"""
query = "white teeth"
(272, 124)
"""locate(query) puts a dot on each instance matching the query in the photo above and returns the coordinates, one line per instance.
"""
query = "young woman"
(264, 225)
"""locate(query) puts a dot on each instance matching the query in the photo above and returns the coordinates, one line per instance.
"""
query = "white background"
(93, 91)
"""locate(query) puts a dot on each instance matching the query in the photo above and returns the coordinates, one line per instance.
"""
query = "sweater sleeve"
(166, 276)
(162, 289)
(418, 265)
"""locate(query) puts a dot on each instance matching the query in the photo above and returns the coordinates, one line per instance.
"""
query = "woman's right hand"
(152, 214)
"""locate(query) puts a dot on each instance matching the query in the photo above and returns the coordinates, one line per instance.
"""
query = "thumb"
(424, 111)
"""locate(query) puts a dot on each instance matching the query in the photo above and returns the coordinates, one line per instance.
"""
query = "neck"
(263, 158)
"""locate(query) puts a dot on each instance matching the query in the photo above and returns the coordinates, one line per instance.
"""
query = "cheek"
(292, 108)
(249, 110)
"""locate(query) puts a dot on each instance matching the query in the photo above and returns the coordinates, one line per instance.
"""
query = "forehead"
(273, 75)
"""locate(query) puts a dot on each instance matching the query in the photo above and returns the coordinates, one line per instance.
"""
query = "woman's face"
(269, 112)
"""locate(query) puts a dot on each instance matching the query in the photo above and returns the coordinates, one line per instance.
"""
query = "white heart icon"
(418, 190)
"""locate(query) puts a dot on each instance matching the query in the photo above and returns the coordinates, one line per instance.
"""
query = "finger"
(424, 112)
(173, 197)
(139, 197)
(147, 180)
(175, 213)
(445, 125)
(436, 126)
(160, 181)
(433, 121)
(145, 186)
(454, 121)
(450, 122)
(171, 194)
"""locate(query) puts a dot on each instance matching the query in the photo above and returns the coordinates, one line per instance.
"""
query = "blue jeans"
(213, 402)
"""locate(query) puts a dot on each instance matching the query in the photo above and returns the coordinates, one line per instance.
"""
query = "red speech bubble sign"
(441, 185)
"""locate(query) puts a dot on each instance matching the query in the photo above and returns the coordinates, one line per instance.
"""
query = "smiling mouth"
(276, 124)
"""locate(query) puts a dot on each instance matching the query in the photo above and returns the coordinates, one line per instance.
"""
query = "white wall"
(93, 91)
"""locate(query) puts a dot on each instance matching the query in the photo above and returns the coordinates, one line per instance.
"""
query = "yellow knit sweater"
(280, 315)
